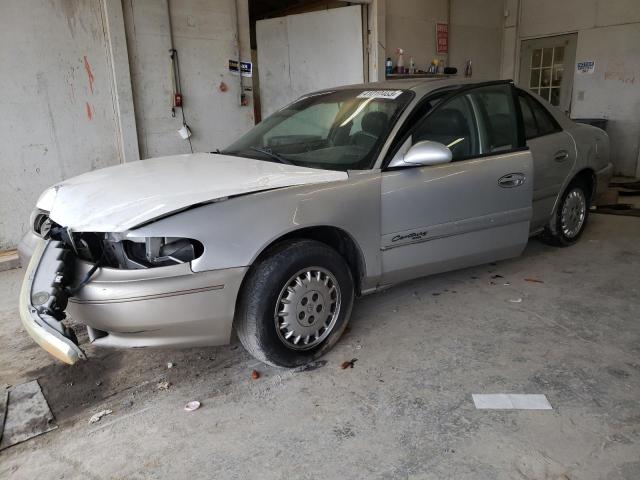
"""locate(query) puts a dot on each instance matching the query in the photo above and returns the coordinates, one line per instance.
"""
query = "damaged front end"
(44, 297)
(63, 262)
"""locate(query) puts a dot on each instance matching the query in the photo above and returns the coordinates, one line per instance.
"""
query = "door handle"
(511, 180)
(561, 156)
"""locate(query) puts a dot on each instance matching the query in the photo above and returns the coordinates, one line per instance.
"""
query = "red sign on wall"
(442, 38)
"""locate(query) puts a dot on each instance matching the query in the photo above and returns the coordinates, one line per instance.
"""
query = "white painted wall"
(609, 33)
(302, 53)
(205, 37)
(613, 91)
(57, 106)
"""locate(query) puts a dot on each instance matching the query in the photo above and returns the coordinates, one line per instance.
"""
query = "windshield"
(338, 130)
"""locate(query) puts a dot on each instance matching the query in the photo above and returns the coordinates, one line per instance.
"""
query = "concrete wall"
(73, 71)
(205, 38)
(609, 33)
(475, 33)
(411, 25)
(57, 102)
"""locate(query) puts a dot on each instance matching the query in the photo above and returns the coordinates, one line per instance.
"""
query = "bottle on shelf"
(400, 61)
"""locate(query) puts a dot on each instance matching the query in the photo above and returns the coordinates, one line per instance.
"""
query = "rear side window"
(530, 126)
(497, 119)
(546, 123)
(537, 120)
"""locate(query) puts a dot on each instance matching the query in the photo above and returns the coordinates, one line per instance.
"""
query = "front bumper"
(163, 306)
(43, 277)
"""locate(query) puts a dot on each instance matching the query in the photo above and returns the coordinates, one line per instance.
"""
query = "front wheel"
(295, 303)
(571, 216)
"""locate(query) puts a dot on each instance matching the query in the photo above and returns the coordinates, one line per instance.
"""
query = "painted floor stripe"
(511, 401)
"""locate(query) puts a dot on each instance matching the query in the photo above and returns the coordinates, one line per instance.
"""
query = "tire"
(570, 218)
(296, 279)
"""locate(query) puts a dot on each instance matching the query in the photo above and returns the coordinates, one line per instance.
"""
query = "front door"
(473, 210)
(546, 68)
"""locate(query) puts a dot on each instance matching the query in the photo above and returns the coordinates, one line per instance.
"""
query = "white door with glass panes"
(546, 68)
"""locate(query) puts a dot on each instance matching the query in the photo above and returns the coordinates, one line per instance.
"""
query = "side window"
(530, 127)
(453, 124)
(498, 124)
(546, 123)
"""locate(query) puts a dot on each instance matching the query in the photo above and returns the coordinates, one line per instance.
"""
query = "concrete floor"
(404, 411)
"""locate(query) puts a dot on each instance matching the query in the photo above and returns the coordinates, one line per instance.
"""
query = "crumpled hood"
(116, 199)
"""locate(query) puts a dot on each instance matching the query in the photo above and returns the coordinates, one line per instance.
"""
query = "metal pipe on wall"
(239, 44)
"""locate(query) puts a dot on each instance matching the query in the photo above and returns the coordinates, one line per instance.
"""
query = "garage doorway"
(546, 68)
(298, 54)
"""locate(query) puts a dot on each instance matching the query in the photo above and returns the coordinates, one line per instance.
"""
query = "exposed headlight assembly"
(40, 223)
(169, 250)
(116, 250)
(152, 251)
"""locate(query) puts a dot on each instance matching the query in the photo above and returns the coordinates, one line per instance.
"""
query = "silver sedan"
(340, 194)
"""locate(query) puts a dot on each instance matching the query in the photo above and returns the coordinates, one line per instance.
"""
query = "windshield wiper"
(272, 154)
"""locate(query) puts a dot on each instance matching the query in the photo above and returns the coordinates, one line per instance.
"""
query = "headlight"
(158, 251)
(116, 250)
(171, 250)
(40, 223)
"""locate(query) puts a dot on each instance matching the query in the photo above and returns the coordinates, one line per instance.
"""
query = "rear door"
(554, 155)
(473, 210)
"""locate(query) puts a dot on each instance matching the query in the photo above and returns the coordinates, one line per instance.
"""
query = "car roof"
(418, 85)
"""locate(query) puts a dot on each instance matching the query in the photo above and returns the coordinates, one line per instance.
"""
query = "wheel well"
(337, 239)
(589, 177)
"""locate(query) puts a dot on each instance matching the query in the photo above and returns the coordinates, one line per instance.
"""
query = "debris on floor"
(516, 300)
(27, 414)
(163, 385)
(510, 401)
(311, 366)
(171, 365)
(533, 280)
(348, 364)
(192, 405)
(98, 416)
(255, 375)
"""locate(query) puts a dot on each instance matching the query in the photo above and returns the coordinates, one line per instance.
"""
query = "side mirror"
(423, 153)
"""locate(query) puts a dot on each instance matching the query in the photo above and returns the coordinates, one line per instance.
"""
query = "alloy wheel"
(573, 213)
(307, 308)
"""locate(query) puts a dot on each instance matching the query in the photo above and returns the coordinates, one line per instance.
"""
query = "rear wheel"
(571, 216)
(295, 303)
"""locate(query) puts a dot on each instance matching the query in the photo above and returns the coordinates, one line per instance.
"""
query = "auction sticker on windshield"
(390, 94)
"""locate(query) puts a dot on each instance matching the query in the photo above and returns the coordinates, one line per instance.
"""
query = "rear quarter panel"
(592, 145)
